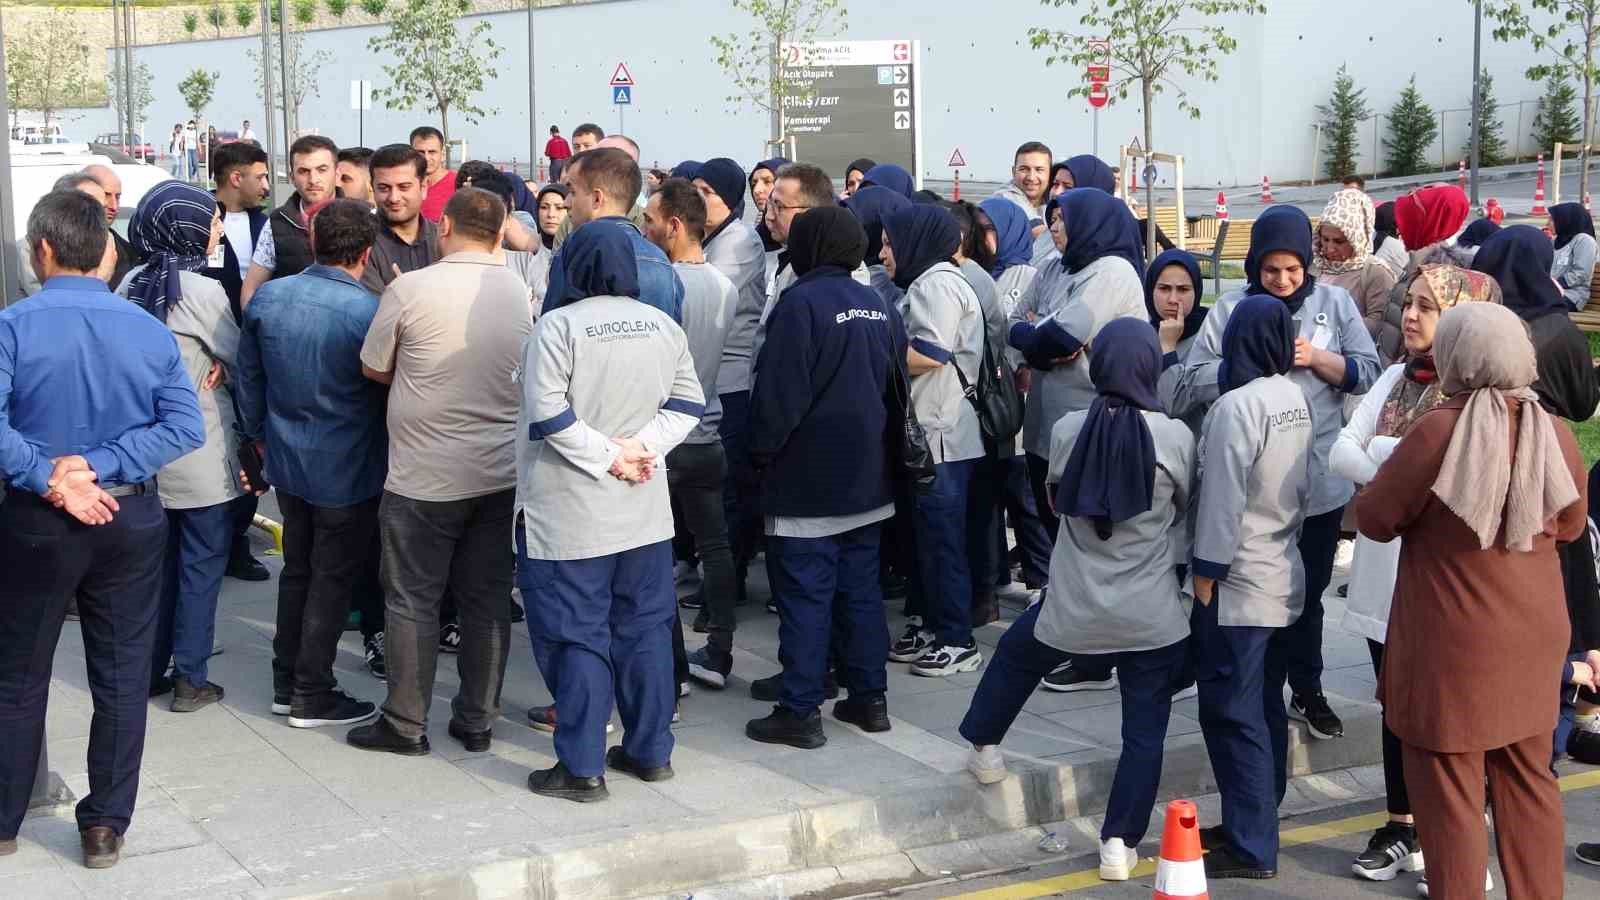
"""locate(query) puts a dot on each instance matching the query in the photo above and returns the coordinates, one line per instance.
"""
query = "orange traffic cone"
(1461, 174)
(1181, 874)
(1494, 212)
(1266, 190)
(1222, 205)
(1538, 191)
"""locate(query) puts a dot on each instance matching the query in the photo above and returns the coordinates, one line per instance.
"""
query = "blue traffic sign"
(621, 94)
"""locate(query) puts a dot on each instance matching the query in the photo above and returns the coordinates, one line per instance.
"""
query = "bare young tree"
(1564, 33)
(437, 65)
(754, 61)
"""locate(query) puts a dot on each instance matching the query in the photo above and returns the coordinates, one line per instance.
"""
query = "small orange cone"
(1222, 205)
(1181, 874)
(1461, 174)
(1538, 191)
(1494, 211)
(1266, 190)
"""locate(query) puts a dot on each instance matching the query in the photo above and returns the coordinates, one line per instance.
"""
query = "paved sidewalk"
(234, 803)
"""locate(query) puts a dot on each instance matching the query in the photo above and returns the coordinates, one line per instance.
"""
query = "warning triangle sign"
(957, 161)
(622, 76)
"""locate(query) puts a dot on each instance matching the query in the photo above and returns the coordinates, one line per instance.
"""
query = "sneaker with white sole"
(1065, 679)
(1188, 693)
(1393, 849)
(1488, 884)
(333, 708)
(947, 660)
(986, 764)
(450, 638)
(1016, 592)
(913, 643)
(1344, 555)
(1117, 860)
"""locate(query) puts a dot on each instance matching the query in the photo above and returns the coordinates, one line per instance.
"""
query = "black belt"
(132, 490)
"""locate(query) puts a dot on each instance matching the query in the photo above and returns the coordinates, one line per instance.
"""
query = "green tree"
(216, 18)
(437, 65)
(1556, 119)
(374, 8)
(305, 11)
(1341, 123)
(244, 13)
(48, 67)
(141, 95)
(1564, 34)
(1152, 43)
(764, 70)
(1412, 130)
(338, 8)
(191, 23)
(301, 83)
(197, 89)
(1491, 140)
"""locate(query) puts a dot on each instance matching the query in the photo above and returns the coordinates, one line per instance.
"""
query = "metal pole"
(116, 68)
(1516, 142)
(1376, 157)
(1097, 132)
(1444, 162)
(128, 102)
(283, 73)
(271, 128)
(9, 263)
(1477, 92)
(1316, 151)
(1150, 204)
(533, 107)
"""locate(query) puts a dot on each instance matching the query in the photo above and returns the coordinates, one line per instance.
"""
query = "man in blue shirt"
(94, 399)
(605, 182)
(319, 425)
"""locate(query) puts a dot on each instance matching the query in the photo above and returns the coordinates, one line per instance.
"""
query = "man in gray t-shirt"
(675, 221)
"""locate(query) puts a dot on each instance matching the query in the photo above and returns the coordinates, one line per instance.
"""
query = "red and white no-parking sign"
(1099, 73)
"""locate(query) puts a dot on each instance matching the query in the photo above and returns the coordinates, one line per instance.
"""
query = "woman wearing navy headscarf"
(1173, 289)
(1121, 472)
(1573, 268)
(871, 206)
(1254, 468)
(762, 179)
(945, 324)
(175, 228)
(855, 173)
(892, 177)
(1334, 357)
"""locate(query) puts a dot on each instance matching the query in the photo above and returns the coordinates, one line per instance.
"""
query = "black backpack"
(995, 397)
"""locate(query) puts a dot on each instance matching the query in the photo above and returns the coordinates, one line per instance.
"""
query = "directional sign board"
(621, 94)
(855, 99)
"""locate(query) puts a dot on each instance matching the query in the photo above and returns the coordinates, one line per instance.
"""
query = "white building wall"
(984, 89)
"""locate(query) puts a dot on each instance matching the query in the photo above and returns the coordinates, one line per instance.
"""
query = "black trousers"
(1394, 770)
(324, 552)
(115, 571)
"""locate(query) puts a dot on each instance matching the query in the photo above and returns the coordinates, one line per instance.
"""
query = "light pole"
(267, 93)
(1477, 91)
(533, 108)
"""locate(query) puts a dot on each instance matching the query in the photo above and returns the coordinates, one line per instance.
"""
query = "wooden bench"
(1232, 243)
(1588, 318)
(1167, 221)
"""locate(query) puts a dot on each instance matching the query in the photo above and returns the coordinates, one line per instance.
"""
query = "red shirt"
(438, 196)
(558, 148)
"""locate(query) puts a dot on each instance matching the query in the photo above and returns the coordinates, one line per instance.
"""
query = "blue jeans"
(828, 595)
(197, 554)
(1246, 729)
(1149, 678)
(602, 633)
(941, 528)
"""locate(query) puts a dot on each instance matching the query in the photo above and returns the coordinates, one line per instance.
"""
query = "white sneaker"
(1422, 884)
(1344, 555)
(1116, 860)
(947, 660)
(986, 764)
(1187, 693)
(1016, 592)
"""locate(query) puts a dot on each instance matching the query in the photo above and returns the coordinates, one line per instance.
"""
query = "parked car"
(118, 141)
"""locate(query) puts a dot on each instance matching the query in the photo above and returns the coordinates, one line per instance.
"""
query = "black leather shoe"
(102, 847)
(1222, 863)
(474, 741)
(786, 727)
(1213, 838)
(245, 567)
(768, 689)
(381, 736)
(563, 785)
(866, 713)
(188, 696)
(618, 759)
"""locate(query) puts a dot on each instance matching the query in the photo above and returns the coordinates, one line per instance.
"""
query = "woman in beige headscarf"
(1481, 488)
(1344, 255)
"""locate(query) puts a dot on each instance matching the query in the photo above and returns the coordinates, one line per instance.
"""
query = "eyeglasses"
(780, 207)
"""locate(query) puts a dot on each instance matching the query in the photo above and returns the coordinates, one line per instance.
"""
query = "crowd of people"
(466, 388)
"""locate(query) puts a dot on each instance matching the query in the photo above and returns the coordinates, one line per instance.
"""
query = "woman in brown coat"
(1481, 489)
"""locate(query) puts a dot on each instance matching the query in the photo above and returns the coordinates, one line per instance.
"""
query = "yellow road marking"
(1304, 834)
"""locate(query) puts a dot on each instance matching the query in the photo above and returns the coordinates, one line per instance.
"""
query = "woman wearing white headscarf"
(1344, 255)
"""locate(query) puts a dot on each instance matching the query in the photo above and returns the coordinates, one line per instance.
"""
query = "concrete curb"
(857, 841)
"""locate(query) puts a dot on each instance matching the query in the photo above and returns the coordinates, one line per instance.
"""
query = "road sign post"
(621, 92)
(361, 101)
(1099, 76)
(957, 161)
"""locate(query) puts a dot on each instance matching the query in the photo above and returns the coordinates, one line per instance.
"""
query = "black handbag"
(910, 458)
(995, 397)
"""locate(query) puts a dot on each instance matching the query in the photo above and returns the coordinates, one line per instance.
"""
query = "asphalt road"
(1315, 862)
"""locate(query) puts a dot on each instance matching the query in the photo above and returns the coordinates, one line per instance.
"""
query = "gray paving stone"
(206, 871)
(238, 817)
(333, 853)
(444, 832)
(854, 771)
(39, 884)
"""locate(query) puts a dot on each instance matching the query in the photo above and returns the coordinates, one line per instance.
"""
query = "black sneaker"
(281, 703)
(692, 601)
(913, 642)
(895, 586)
(710, 667)
(866, 713)
(770, 689)
(450, 638)
(618, 759)
(188, 696)
(948, 660)
(1222, 863)
(563, 785)
(245, 567)
(1393, 849)
(1588, 853)
(518, 614)
(1313, 709)
(1584, 746)
(1065, 679)
(474, 741)
(785, 727)
(702, 622)
(1213, 837)
(375, 661)
(333, 708)
(772, 605)
(381, 736)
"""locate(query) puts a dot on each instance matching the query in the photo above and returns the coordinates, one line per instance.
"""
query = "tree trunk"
(1588, 107)
(444, 126)
(1148, 83)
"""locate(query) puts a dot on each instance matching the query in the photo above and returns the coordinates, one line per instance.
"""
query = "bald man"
(28, 280)
(111, 184)
(636, 214)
